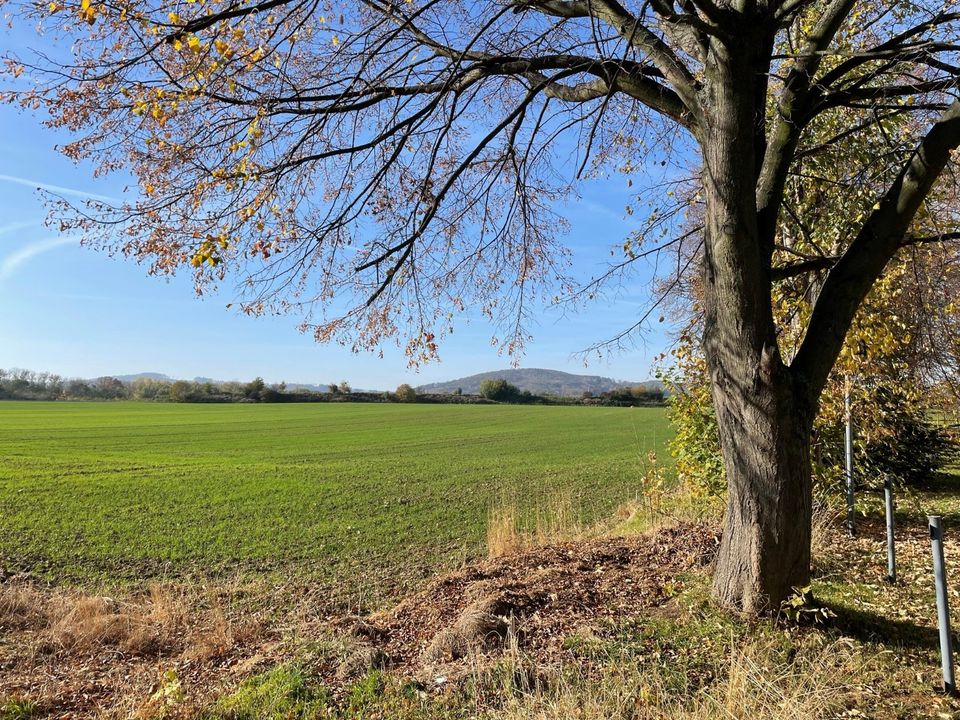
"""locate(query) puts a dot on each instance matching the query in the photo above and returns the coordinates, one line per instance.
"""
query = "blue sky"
(79, 312)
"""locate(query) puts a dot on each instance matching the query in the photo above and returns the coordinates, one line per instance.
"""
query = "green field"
(104, 492)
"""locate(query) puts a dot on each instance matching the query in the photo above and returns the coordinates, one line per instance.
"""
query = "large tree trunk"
(764, 419)
(765, 436)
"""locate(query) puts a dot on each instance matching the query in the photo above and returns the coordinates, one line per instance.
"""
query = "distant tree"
(345, 388)
(149, 389)
(253, 388)
(499, 389)
(333, 388)
(77, 389)
(406, 394)
(233, 389)
(268, 394)
(109, 388)
(180, 391)
(458, 391)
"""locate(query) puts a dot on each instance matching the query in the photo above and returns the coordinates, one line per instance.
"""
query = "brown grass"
(825, 518)
(81, 624)
(508, 533)
(657, 506)
(759, 684)
(164, 619)
(21, 606)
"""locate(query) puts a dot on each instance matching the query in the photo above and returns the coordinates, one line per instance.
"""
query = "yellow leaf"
(88, 12)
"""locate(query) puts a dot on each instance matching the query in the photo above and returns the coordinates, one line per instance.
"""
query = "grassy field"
(108, 492)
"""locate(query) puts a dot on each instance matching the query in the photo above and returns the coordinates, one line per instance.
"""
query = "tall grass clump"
(758, 681)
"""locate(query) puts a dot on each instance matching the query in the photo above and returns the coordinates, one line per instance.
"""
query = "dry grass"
(508, 532)
(164, 619)
(149, 625)
(825, 518)
(658, 504)
(759, 684)
(64, 649)
(20, 606)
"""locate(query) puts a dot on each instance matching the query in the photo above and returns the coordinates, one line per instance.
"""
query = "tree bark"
(764, 418)
(765, 552)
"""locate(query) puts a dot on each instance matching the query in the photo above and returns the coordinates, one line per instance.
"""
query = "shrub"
(892, 433)
(499, 389)
(253, 388)
(894, 438)
(406, 394)
(181, 391)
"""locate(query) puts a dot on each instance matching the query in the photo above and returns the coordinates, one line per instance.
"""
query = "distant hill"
(310, 387)
(539, 382)
(143, 376)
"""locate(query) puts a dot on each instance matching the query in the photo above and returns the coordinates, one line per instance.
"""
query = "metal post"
(943, 609)
(851, 518)
(891, 549)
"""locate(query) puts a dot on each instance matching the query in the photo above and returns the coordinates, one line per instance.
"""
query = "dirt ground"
(77, 656)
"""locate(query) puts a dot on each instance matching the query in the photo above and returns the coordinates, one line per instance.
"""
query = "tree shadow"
(867, 626)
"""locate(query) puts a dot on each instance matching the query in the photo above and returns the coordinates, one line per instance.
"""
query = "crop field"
(103, 493)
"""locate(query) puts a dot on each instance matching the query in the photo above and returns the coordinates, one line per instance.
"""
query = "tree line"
(18, 384)
(499, 390)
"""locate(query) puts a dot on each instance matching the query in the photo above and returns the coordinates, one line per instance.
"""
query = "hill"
(143, 376)
(539, 382)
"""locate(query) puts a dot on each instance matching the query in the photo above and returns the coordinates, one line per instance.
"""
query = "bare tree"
(378, 166)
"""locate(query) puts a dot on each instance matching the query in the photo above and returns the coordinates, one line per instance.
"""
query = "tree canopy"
(402, 156)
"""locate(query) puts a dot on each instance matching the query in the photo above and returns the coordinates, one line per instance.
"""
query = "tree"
(181, 391)
(400, 157)
(498, 389)
(149, 389)
(254, 389)
(406, 394)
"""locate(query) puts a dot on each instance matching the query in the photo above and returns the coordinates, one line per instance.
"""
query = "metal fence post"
(943, 608)
(891, 549)
(848, 444)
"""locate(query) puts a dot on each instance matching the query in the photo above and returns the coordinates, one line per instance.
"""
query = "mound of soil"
(82, 656)
(536, 598)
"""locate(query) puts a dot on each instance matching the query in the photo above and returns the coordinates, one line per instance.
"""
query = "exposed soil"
(538, 597)
(76, 656)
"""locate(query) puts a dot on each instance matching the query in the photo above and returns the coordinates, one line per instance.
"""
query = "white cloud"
(57, 189)
(12, 262)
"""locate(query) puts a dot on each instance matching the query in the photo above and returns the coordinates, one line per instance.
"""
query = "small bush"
(406, 394)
